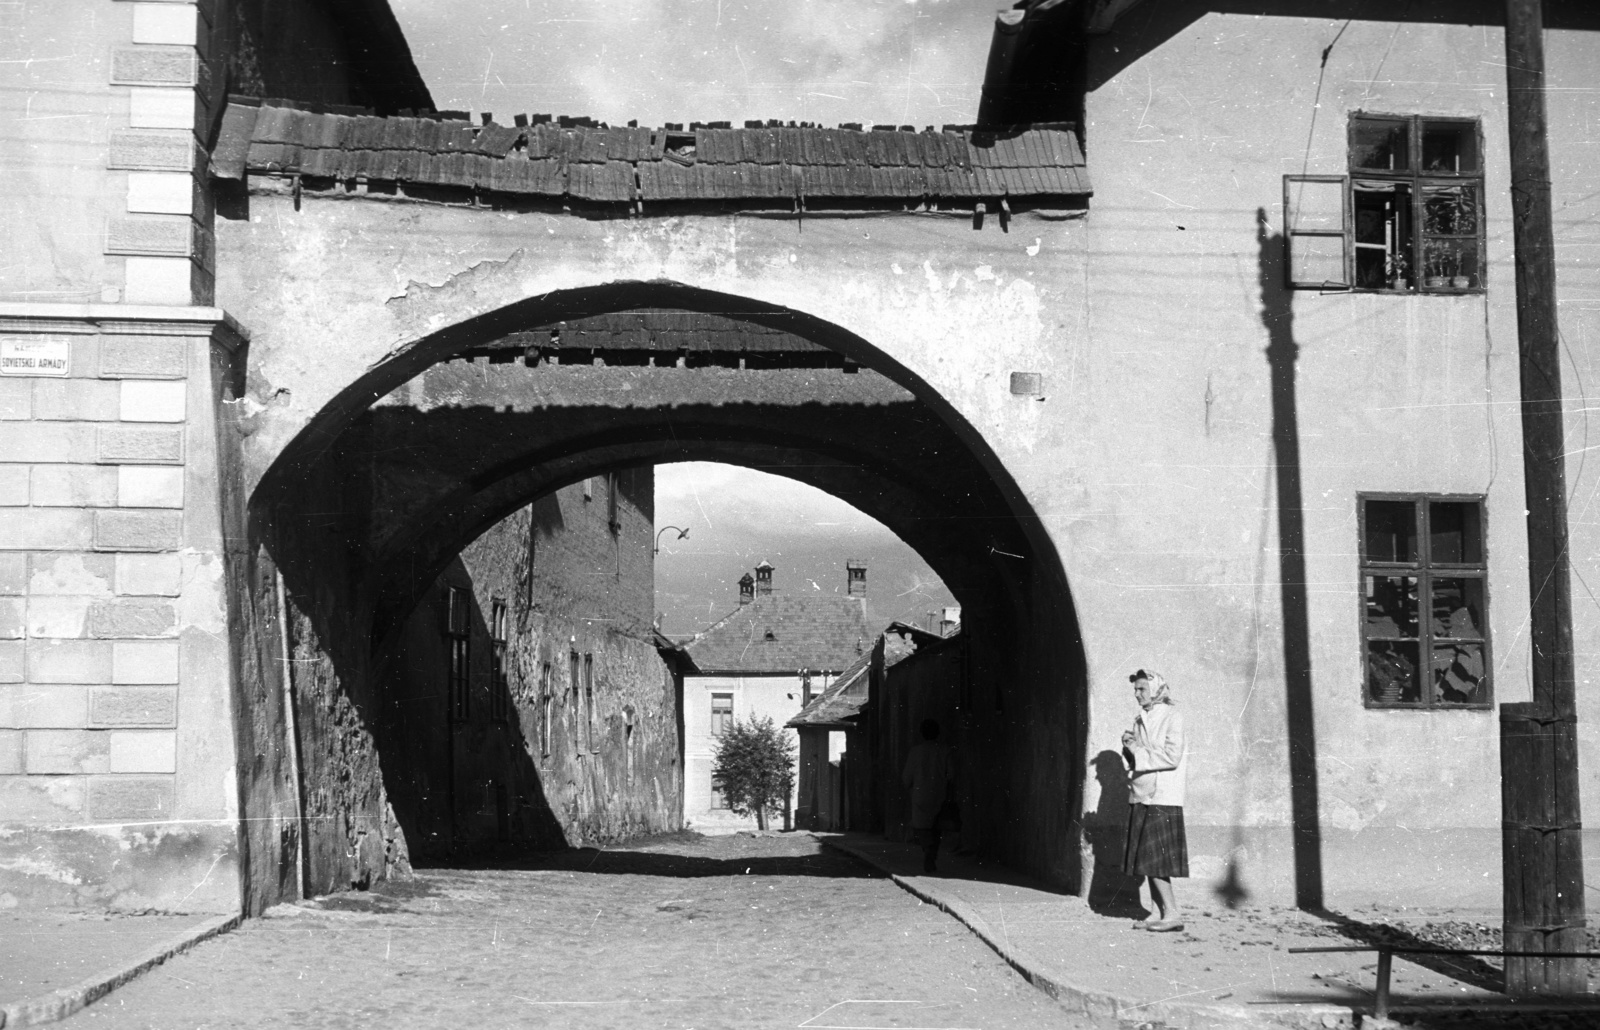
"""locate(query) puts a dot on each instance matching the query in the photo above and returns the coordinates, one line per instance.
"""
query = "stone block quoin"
(92, 493)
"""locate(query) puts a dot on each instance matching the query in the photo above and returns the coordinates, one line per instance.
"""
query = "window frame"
(575, 671)
(458, 653)
(1344, 233)
(1416, 179)
(588, 700)
(1425, 569)
(546, 707)
(718, 729)
(499, 680)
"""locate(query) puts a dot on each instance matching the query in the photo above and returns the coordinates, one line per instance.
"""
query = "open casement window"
(1425, 618)
(1315, 230)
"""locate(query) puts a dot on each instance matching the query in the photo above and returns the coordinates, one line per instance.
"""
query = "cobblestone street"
(712, 932)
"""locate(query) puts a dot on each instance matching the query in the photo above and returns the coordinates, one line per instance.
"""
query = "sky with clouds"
(830, 61)
(738, 517)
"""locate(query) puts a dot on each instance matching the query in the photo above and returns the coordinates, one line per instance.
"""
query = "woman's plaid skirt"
(1156, 842)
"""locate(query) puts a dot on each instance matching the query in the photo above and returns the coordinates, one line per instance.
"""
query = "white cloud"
(700, 60)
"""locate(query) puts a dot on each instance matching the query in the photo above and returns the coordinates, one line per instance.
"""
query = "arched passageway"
(386, 485)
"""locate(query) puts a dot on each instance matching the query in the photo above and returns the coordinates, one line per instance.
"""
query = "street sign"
(35, 357)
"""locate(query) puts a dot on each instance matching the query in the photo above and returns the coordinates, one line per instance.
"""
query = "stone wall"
(602, 769)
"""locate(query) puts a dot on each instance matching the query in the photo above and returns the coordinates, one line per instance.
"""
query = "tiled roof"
(841, 701)
(593, 162)
(784, 633)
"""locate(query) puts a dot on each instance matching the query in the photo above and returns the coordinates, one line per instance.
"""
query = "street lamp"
(681, 534)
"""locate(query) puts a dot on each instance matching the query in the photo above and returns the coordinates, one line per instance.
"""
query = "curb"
(59, 1004)
(1109, 1010)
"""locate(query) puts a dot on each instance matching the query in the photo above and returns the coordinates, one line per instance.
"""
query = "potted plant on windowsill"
(1395, 269)
(1434, 276)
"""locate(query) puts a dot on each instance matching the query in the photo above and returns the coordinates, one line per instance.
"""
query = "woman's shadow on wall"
(1111, 891)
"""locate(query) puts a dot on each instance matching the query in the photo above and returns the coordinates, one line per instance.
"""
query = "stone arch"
(333, 580)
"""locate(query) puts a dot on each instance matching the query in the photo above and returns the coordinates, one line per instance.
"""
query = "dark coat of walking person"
(930, 775)
(1157, 753)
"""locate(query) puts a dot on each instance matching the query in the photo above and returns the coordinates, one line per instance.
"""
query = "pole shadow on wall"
(1277, 315)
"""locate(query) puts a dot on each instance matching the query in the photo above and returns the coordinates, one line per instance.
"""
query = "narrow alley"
(733, 931)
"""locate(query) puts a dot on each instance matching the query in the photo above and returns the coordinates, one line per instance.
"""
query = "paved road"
(716, 932)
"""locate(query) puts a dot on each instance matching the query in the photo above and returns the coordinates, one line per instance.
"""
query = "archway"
(408, 464)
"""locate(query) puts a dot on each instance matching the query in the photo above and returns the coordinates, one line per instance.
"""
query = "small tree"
(755, 762)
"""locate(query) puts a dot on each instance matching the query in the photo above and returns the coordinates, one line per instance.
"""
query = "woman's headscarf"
(1160, 691)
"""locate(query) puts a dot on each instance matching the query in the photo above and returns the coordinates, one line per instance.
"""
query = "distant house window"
(1425, 623)
(458, 641)
(499, 685)
(1407, 218)
(721, 714)
(718, 798)
(588, 700)
(546, 706)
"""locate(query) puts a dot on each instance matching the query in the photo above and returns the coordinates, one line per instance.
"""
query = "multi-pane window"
(1407, 218)
(546, 708)
(1425, 621)
(458, 640)
(721, 714)
(499, 685)
(718, 798)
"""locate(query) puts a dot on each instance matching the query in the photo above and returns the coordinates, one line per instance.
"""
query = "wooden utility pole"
(1541, 837)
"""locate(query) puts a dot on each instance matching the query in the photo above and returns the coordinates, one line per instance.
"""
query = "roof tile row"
(623, 164)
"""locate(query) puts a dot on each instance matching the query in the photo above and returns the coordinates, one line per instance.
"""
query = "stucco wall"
(778, 698)
(1176, 560)
(1151, 457)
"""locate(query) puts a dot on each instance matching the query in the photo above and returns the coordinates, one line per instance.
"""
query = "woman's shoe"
(1164, 926)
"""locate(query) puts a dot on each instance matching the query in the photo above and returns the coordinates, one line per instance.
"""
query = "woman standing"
(1155, 751)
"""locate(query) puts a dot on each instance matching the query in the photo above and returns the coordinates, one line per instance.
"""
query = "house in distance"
(766, 658)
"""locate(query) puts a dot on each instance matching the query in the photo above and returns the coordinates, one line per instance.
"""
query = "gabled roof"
(780, 634)
(593, 162)
(840, 702)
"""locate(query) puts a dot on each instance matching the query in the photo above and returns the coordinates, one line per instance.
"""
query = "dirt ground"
(687, 932)
(42, 952)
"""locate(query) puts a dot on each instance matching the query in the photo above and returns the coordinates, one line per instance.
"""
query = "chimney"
(949, 621)
(747, 590)
(764, 578)
(856, 581)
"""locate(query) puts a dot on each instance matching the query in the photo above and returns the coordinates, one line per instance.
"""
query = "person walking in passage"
(930, 775)
(1156, 753)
